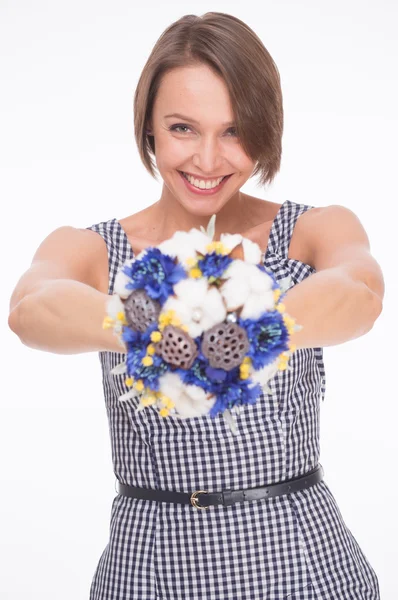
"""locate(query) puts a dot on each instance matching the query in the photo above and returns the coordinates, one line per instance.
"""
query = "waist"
(204, 499)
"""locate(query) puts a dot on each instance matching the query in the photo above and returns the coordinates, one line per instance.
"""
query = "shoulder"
(333, 222)
(296, 221)
(96, 238)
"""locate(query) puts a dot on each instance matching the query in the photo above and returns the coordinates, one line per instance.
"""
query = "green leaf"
(211, 226)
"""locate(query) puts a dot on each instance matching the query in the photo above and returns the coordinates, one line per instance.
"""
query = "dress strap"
(117, 246)
(283, 227)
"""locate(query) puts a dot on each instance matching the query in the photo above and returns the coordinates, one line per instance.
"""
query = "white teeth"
(201, 184)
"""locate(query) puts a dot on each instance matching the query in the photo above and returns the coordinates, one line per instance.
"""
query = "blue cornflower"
(156, 273)
(227, 386)
(236, 394)
(214, 264)
(268, 338)
(136, 343)
(197, 374)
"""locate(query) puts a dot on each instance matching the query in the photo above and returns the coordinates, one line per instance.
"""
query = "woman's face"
(202, 141)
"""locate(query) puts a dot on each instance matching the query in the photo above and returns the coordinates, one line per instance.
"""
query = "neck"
(170, 216)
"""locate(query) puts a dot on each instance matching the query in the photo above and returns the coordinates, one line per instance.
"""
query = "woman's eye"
(175, 127)
(232, 130)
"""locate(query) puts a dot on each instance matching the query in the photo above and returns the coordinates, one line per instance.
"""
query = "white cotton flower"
(114, 306)
(231, 240)
(196, 305)
(121, 281)
(235, 292)
(247, 287)
(199, 240)
(183, 245)
(237, 268)
(189, 400)
(251, 251)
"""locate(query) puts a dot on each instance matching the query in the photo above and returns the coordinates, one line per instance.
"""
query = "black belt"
(225, 497)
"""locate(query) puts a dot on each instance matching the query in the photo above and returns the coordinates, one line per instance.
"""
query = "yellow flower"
(244, 368)
(156, 336)
(191, 262)
(139, 385)
(107, 323)
(148, 400)
(289, 322)
(168, 318)
(162, 397)
(175, 321)
(164, 412)
(281, 307)
(283, 360)
(121, 317)
(217, 247)
(166, 401)
(195, 273)
(150, 349)
(292, 347)
(277, 294)
(147, 361)
(129, 381)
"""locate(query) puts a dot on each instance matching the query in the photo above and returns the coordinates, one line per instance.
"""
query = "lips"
(203, 191)
(201, 178)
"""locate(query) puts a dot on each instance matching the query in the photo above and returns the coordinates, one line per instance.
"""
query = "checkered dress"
(295, 546)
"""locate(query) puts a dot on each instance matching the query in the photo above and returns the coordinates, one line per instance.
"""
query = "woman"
(208, 107)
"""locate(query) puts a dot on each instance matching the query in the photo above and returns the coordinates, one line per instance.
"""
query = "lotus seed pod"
(141, 310)
(225, 345)
(177, 348)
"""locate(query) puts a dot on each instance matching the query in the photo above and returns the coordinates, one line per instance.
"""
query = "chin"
(203, 207)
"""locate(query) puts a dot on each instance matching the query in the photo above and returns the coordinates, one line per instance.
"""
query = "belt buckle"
(194, 498)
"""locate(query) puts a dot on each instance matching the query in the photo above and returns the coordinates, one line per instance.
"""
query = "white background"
(68, 72)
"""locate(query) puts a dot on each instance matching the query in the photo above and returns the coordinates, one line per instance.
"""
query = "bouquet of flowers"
(203, 325)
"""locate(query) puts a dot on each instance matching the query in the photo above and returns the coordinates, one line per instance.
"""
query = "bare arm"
(59, 303)
(343, 299)
(64, 317)
(332, 309)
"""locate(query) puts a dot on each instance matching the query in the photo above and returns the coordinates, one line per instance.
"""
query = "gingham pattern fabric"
(295, 546)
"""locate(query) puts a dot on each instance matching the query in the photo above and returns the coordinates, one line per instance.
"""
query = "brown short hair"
(233, 51)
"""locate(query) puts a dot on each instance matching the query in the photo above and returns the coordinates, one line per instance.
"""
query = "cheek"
(242, 161)
(170, 151)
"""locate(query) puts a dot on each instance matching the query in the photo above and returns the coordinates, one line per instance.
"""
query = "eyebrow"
(179, 116)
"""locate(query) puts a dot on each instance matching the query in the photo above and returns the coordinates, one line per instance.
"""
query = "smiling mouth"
(205, 179)
(207, 187)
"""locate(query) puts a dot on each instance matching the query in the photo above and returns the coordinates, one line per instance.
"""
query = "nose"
(208, 158)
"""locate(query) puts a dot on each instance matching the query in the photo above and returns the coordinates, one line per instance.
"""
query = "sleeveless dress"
(295, 546)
